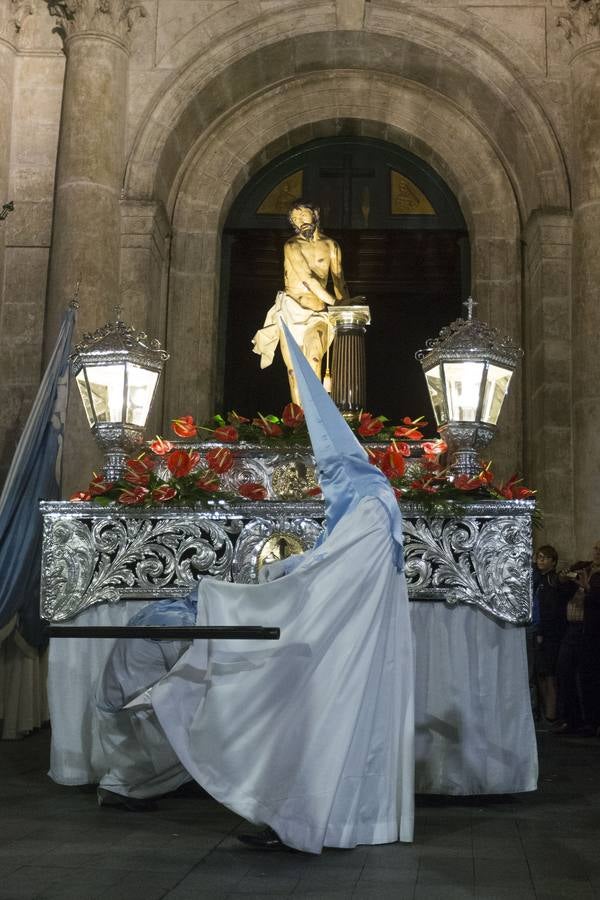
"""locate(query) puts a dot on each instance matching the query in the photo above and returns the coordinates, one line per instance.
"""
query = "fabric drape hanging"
(34, 475)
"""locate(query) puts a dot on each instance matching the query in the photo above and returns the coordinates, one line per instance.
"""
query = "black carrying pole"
(166, 632)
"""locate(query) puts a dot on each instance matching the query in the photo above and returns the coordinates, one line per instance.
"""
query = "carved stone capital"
(15, 12)
(580, 23)
(113, 18)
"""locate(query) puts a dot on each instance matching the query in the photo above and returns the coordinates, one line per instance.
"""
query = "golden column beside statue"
(349, 368)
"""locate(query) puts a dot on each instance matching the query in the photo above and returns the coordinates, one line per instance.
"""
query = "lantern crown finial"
(116, 339)
(471, 338)
(470, 303)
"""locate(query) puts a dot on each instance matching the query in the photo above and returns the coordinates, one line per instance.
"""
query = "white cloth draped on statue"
(312, 735)
(299, 320)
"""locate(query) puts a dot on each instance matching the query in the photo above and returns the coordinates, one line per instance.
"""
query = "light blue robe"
(312, 735)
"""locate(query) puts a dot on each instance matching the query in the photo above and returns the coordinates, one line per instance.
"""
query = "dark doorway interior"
(413, 269)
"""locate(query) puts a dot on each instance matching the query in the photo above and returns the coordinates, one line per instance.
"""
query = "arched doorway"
(404, 245)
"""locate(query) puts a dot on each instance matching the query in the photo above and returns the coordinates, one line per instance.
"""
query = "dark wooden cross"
(347, 173)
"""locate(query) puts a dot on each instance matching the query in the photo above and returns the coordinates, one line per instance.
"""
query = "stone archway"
(390, 109)
(441, 92)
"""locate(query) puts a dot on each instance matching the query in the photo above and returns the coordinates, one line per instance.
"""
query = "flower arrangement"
(411, 463)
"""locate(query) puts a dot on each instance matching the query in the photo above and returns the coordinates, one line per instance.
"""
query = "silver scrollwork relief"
(105, 560)
(485, 562)
(479, 554)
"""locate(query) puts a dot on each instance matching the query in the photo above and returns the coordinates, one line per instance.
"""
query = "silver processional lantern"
(117, 370)
(468, 369)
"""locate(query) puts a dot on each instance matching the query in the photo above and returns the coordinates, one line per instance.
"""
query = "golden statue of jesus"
(309, 258)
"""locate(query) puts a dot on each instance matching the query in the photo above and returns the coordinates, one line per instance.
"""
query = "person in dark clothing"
(550, 623)
(590, 651)
(579, 655)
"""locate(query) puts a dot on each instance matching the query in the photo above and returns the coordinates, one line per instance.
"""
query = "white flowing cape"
(312, 735)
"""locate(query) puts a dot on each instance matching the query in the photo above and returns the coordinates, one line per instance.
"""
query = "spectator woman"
(549, 617)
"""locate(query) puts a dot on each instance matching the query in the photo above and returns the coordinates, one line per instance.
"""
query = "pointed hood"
(346, 476)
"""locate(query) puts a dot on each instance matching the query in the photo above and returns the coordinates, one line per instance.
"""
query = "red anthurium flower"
(208, 482)
(401, 447)
(181, 462)
(234, 418)
(220, 460)
(486, 476)
(160, 446)
(270, 429)
(368, 425)
(253, 491)
(513, 490)
(164, 492)
(80, 496)
(130, 498)
(99, 486)
(226, 433)
(409, 433)
(434, 447)
(465, 483)
(140, 480)
(524, 493)
(376, 457)
(394, 464)
(140, 466)
(184, 427)
(420, 421)
(292, 415)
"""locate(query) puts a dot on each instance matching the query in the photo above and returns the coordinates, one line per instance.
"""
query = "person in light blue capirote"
(312, 736)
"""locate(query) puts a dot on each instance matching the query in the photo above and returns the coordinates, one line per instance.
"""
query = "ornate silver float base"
(91, 554)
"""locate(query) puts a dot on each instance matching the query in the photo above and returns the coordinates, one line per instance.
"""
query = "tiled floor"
(56, 843)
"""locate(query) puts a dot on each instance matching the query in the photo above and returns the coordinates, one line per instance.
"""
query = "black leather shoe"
(262, 840)
(120, 801)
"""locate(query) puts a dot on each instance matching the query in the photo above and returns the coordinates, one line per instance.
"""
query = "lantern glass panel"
(463, 387)
(140, 390)
(496, 388)
(106, 386)
(436, 393)
(85, 397)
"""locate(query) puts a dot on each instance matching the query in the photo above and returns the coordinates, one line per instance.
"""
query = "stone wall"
(31, 74)
(199, 94)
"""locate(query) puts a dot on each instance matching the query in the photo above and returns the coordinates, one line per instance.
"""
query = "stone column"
(145, 236)
(12, 19)
(86, 235)
(581, 27)
(547, 369)
(9, 30)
